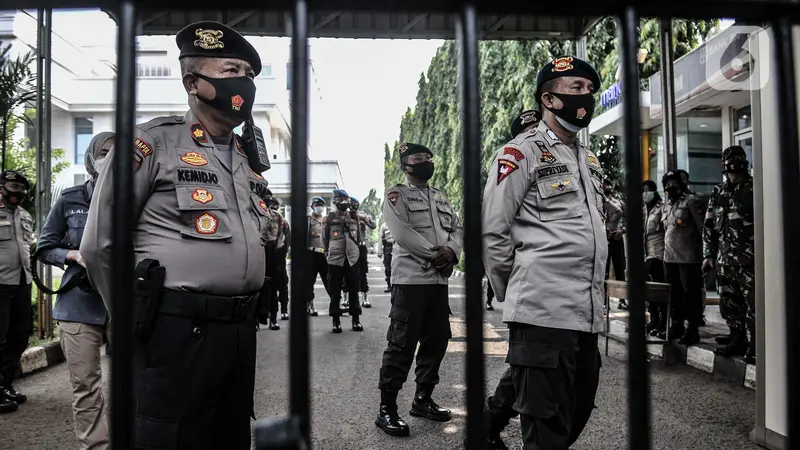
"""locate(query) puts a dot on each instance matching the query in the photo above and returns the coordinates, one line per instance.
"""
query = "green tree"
(373, 205)
(17, 89)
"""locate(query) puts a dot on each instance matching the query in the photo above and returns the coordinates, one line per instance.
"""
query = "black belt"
(214, 307)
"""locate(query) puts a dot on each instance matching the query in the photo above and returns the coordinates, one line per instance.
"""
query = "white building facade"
(83, 90)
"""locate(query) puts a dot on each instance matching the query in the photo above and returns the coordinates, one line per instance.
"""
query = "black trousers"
(363, 284)
(616, 256)
(282, 284)
(317, 265)
(336, 276)
(387, 264)
(489, 292)
(655, 272)
(194, 385)
(687, 292)
(420, 314)
(271, 253)
(551, 384)
(16, 326)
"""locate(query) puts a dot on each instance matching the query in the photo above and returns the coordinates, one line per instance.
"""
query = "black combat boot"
(622, 305)
(364, 302)
(284, 314)
(337, 324)
(7, 405)
(12, 394)
(676, 331)
(424, 406)
(388, 287)
(737, 345)
(388, 419)
(489, 306)
(357, 323)
(750, 356)
(691, 336)
(311, 310)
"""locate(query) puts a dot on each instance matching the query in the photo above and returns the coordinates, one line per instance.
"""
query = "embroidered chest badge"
(263, 205)
(206, 223)
(560, 184)
(194, 159)
(593, 160)
(202, 196)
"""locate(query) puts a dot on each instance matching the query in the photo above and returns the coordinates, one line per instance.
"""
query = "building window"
(742, 119)
(83, 135)
(153, 70)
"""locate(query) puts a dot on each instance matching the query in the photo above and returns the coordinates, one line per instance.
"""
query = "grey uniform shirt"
(683, 230)
(614, 213)
(420, 220)
(16, 236)
(364, 222)
(386, 235)
(653, 233)
(315, 230)
(198, 215)
(544, 238)
(340, 236)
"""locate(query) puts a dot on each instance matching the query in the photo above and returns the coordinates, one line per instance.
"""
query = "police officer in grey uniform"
(615, 230)
(79, 309)
(199, 212)
(284, 238)
(682, 217)
(317, 262)
(545, 250)
(341, 238)
(364, 222)
(271, 236)
(387, 244)
(16, 319)
(428, 244)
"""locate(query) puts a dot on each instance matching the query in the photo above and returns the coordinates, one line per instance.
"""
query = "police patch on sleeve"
(145, 148)
(504, 169)
(392, 196)
(514, 152)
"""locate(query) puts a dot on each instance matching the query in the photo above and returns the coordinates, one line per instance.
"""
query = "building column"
(668, 92)
(581, 53)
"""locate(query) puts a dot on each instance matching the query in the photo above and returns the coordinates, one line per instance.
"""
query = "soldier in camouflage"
(728, 246)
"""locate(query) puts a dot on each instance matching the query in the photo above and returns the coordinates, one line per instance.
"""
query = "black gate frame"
(781, 14)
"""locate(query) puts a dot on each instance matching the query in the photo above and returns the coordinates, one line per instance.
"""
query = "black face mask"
(342, 206)
(607, 191)
(423, 170)
(577, 110)
(235, 96)
(13, 198)
(674, 192)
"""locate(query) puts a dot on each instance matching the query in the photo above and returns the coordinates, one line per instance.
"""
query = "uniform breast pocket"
(557, 199)
(75, 225)
(419, 215)
(203, 212)
(681, 217)
(599, 197)
(27, 230)
(653, 222)
(5, 231)
(446, 217)
(337, 230)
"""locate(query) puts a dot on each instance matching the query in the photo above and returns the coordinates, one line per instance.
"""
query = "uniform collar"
(412, 187)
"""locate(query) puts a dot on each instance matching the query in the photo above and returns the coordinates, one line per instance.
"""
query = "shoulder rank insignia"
(560, 184)
(199, 133)
(194, 159)
(552, 135)
(504, 169)
(202, 196)
(514, 152)
(392, 196)
(206, 223)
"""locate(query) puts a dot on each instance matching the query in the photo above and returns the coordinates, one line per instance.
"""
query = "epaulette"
(518, 139)
(399, 185)
(159, 121)
(78, 188)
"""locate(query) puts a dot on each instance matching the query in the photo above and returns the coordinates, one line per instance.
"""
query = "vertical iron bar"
(638, 376)
(46, 322)
(299, 353)
(668, 92)
(467, 35)
(789, 146)
(40, 141)
(582, 52)
(122, 382)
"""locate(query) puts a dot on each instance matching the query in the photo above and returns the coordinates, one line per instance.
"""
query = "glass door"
(745, 140)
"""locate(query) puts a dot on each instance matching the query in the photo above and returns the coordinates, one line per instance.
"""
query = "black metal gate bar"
(467, 35)
(299, 361)
(638, 376)
(668, 91)
(122, 382)
(789, 148)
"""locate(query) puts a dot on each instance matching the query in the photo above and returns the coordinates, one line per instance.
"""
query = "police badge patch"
(392, 196)
(546, 157)
(504, 169)
(513, 152)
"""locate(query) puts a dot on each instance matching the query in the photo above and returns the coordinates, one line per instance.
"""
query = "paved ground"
(691, 410)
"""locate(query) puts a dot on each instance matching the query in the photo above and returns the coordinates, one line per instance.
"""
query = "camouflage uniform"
(728, 240)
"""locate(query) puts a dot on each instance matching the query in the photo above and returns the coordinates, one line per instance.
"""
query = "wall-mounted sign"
(611, 96)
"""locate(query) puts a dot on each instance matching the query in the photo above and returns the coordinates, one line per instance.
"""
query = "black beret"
(214, 40)
(567, 66)
(733, 150)
(523, 120)
(408, 149)
(671, 176)
(10, 176)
